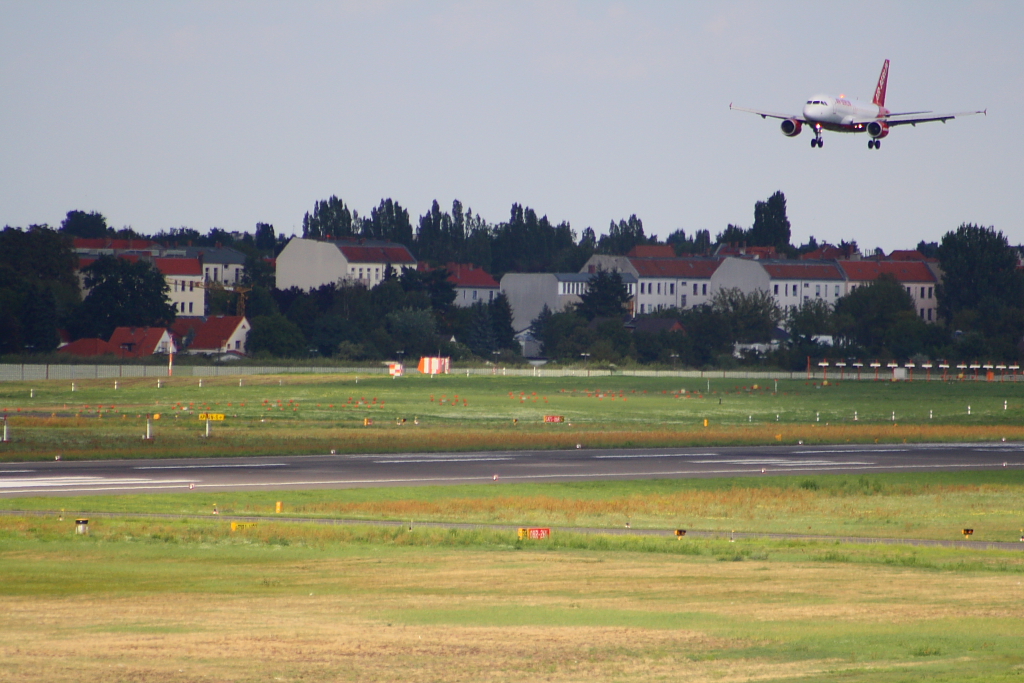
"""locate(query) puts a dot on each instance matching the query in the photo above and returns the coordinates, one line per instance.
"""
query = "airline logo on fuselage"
(842, 101)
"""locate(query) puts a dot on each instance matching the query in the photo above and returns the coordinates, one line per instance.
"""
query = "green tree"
(606, 296)
(479, 335)
(266, 240)
(977, 263)
(501, 322)
(812, 318)
(623, 236)
(771, 226)
(390, 221)
(82, 224)
(275, 335)
(867, 315)
(752, 317)
(331, 219)
(122, 293)
(413, 330)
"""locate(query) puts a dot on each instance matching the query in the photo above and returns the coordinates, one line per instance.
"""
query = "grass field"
(190, 601)
(288, 414)
(918, 505)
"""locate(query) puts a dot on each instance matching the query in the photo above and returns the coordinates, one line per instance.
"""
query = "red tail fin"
(883, 79)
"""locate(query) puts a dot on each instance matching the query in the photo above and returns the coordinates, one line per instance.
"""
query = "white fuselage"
(839, 113)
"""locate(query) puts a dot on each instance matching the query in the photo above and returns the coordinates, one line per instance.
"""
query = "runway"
(423, 469)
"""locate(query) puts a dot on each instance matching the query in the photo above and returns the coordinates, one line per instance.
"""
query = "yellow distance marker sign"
(213, 417)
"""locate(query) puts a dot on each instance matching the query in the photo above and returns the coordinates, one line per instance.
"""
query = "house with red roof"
(652, 251)
(85, 347)
(308, 264)
(214, 335)
(136, 342)
(918, 277)
(472, 284)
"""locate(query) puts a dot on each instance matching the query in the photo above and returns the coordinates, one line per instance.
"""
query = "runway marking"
(779, 462)
(655, 455)
(857, 450)
(204, 467)
(381, 462)
(60, 483)
(508, 476)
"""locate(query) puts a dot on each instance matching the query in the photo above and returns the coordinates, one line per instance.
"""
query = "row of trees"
(408, 315)
(527, 242)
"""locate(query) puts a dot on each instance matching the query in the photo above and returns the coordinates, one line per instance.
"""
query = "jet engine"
(791, 127)
(878, 129)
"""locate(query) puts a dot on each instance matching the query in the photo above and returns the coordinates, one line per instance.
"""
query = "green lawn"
(282, 415)
(176, 601)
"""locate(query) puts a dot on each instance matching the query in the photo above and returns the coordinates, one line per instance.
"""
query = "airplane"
(844, 115)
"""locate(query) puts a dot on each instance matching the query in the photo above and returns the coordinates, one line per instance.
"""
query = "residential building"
(308, 264)
(214, 335)
(528, 293)
(794, 282)
(662, 282)
(472, 283)
(918, 277)
(125, 342)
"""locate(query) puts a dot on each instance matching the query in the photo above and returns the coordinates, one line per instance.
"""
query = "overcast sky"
(224, 114)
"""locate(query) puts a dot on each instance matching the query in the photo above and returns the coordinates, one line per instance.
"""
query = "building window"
(659, 288)
(189, 306)
(191, 285)
(929, 315)
(704, 290)
(837, 290)
(817, 290)
(776, 290)
(922, 314)
(238, 345)
(490, 296)
(641, 308)
(474, 295)
(216, 272)
(672, 288)
(929, 292)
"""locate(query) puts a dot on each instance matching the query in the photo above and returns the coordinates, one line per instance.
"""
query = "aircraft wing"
(898, 120)
(768, 114)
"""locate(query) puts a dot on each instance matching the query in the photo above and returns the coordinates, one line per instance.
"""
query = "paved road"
(417, 469)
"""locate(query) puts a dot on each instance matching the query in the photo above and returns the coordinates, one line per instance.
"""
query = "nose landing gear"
(817, 142)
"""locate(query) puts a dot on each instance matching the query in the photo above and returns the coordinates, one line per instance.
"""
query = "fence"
(16, 372)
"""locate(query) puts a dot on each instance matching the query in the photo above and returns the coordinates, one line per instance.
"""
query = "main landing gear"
(877, 144)
(817, 142)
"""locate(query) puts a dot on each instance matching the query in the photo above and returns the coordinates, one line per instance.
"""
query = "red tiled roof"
(652, 251)
(468, 275)
(364, 254)
(135, 342)
(909, 255)
(86, 347)
(903, 271)
(802, 270)
(211, 334)
(107, 243)
(167, 266)
(676, 267)
(178, 266)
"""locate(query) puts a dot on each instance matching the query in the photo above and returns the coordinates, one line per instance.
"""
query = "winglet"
(883, 80)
